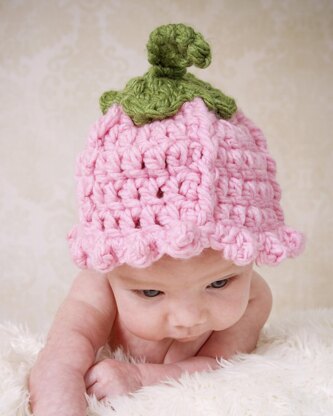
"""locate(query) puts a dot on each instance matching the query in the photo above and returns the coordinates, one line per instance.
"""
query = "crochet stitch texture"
(177, 186)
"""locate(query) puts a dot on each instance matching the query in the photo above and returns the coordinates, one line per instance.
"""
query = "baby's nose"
(187, 316)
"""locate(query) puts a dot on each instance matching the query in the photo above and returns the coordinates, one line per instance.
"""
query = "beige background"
(57, 57)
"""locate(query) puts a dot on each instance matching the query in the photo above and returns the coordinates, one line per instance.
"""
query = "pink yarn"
(175, 187)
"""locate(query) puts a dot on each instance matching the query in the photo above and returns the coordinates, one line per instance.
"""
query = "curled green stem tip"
(177, 47)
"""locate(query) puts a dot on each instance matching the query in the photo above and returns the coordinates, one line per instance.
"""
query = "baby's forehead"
(208, 263)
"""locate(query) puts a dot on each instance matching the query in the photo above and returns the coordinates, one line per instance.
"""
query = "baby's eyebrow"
(227, 276)
(136, 280)
(230, 271)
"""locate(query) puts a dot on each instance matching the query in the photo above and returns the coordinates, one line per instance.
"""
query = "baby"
(178, 200)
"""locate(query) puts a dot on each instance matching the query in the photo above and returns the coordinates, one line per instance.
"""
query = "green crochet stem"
(161, 91)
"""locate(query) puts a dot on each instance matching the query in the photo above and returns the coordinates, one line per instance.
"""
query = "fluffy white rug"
(290, 374)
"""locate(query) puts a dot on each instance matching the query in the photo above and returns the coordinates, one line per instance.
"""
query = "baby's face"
(181, 299)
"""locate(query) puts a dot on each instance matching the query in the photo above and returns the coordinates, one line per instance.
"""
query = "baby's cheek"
(240, 305)
(150, 332)
(230, 312)
(147, 326)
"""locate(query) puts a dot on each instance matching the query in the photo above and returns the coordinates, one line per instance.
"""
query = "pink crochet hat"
(172, 167)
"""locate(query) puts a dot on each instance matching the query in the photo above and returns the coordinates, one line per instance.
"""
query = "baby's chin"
(188, 339)
(168, 339)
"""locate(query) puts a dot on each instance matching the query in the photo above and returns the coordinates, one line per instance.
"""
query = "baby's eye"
(218, 284)
(151, 293)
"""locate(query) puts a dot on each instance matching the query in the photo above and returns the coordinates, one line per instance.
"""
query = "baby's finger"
(96, 390)
(90, 378)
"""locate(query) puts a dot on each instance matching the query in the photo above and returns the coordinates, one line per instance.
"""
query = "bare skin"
(178, 314)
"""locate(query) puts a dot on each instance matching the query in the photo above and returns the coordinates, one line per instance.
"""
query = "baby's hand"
(110, 378)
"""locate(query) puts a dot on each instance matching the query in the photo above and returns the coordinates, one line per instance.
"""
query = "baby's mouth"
(188, 338)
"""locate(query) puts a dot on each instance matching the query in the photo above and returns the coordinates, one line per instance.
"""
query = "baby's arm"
(81, 326)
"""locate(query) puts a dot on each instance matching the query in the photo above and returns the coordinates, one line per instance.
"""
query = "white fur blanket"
(290, 374)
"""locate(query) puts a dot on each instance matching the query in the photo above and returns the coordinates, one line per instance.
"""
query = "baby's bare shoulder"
(259, 286)
(85, 318)
(93, 289)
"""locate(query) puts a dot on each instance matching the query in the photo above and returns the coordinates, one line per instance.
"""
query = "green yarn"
(161, 91)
